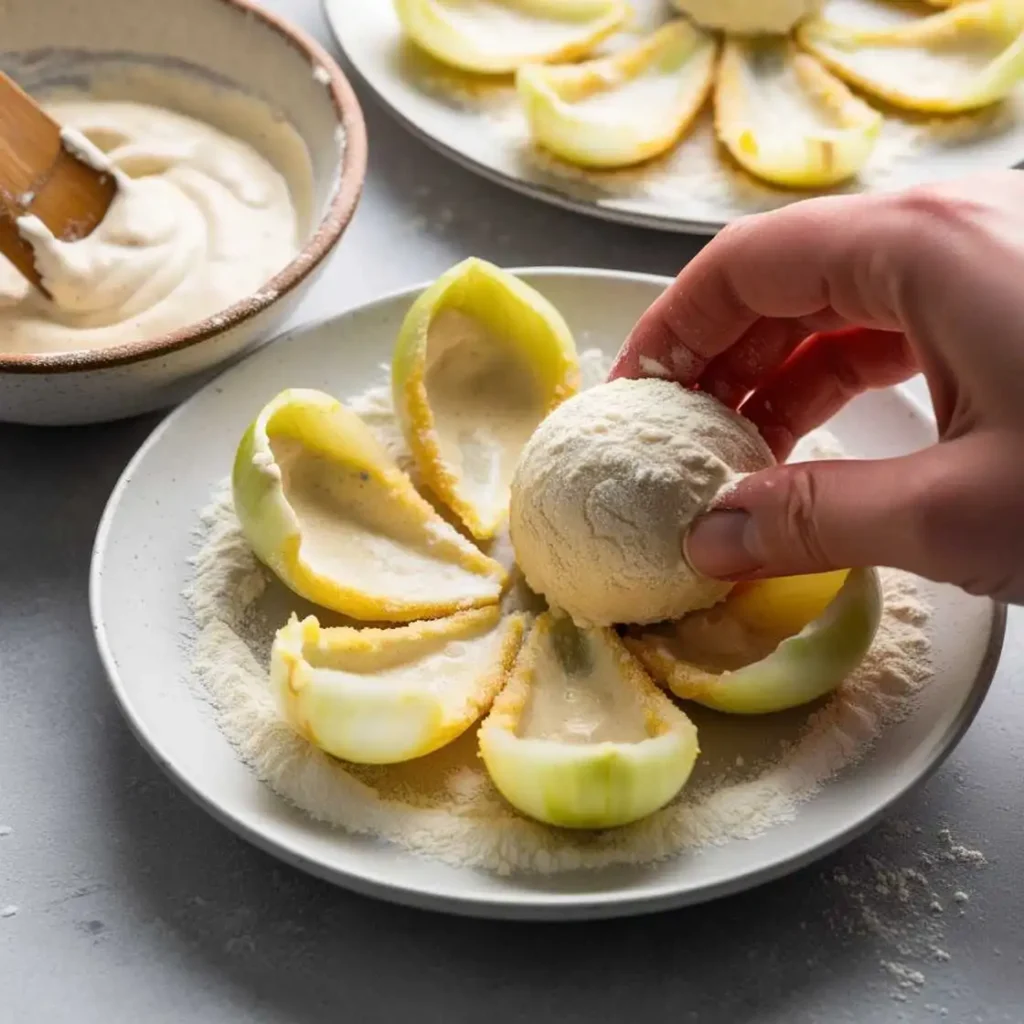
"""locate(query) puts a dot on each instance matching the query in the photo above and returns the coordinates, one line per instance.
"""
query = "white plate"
(691, 190)
(140, 568)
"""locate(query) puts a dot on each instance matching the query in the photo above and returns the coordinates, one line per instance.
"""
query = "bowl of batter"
(239, 151)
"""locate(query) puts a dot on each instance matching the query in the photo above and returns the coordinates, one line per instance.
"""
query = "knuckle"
(799, 522)
(841, 369)
(907, 244)
(929, 205)
(735, 231)
(933, 517)
(965, 532)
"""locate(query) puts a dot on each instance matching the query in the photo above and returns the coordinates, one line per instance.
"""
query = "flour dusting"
(910, 899)
(444, 806)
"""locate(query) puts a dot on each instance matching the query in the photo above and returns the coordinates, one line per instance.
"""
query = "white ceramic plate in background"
(140, 567)
(480, 126)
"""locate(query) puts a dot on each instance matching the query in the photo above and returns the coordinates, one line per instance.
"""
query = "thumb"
(815, 516)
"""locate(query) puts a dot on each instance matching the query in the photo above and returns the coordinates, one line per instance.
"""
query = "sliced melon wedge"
(771, 645)
(961, 59)
(381, 696)
(325, 507)
(481, 359)
(748, 17)
(785, 118)
(580, 736)
(495, 37)
(625, 108)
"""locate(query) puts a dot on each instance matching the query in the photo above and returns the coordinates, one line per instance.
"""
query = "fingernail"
(719, 545)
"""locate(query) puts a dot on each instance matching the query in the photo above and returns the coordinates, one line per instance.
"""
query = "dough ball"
(605, 489)
(749, 17)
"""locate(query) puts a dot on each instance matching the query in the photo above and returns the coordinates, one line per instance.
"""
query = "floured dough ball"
(605, 489)
(749, 17)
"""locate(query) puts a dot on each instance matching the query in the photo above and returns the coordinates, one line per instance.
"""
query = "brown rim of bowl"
(342, 206)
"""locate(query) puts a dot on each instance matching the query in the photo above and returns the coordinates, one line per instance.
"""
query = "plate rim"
(538, 906)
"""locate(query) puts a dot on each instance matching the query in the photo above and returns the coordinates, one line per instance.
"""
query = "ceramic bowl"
(132, 49)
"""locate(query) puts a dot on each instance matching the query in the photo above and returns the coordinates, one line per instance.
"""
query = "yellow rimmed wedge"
(771, 645)
(382, 696)
(495, 37)
(786, 119)
(749, 17)
(625, 108)
(481, 359)
(967, 57)
(581, 737)
(326, 508)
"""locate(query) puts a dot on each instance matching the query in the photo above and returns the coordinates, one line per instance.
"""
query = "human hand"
(789, 315)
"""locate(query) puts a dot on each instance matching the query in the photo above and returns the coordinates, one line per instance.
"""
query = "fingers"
(820, 377)
(950, 513)
(810, 517)
(765, 346)
(829, 262)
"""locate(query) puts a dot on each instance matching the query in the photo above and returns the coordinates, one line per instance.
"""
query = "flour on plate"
(444, 806)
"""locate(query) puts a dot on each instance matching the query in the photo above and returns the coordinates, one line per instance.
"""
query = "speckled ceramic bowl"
(134, 47)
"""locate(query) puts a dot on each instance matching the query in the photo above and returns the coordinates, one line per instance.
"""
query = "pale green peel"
(620, 110)
(836, 46)
(592, 784)
(266, 517)
(521, 320)
(828, 135)
(801, 669)
(373, 696)
(494, 37)
(325, 427)
(604, 786)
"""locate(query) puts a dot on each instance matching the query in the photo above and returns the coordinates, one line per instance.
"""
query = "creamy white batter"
(451, 668)
(486, 402)
(352, 531)
(200, 221)
(716, 641)
(578, 695)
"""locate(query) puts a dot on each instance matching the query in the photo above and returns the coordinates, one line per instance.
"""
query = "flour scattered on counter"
(9, 911)
(904, 906)
(5, 830)
(906, 977)
(445, 806)
(954, 851)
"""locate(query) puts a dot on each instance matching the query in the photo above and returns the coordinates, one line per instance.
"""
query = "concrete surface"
(121, 901)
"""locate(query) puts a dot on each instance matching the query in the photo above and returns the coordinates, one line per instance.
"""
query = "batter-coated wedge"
(625, 108)
(961, 59)
(326, 508)
(481, 359)
(495, 37)
(581, 737)
(787, 119)
(803, 636)
(381, 696)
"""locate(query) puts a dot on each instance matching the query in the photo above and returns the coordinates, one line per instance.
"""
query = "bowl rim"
(341, 207)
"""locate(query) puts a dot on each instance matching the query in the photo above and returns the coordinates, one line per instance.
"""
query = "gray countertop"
(122, 901)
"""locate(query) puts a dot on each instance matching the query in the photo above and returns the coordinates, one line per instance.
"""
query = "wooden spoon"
(38, 175)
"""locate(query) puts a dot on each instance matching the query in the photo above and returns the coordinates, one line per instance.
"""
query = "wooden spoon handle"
(39, 176)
